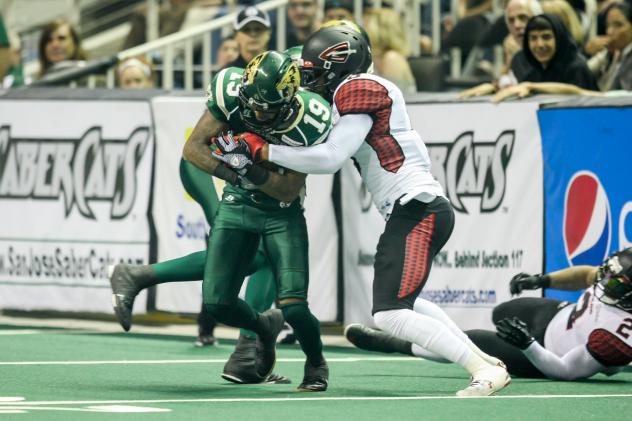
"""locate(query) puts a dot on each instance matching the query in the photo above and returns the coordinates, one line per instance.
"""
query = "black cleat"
(124, 291)
(266, 341)
(277, 379)
(241, 366)
(316, 378)
(369, 339)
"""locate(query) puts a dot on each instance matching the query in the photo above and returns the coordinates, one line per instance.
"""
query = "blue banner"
(587, 155)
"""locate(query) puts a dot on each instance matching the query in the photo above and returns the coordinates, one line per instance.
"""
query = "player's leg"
(232, 247)
(413, 235)
(285, 240)
(370, 339)
(128, 280)
(430, 309)
(260, 295)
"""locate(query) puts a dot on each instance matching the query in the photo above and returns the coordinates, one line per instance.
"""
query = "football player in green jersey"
(267, 102)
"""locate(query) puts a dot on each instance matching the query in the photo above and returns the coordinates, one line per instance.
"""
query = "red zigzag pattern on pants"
(416, 256)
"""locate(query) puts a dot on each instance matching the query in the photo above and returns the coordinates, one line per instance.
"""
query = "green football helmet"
(267, 95)
(294, 53)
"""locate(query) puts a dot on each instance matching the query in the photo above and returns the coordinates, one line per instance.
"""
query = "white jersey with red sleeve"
(605, 331)
(393, 160)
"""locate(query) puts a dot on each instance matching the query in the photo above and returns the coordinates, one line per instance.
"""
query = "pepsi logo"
(587, 220)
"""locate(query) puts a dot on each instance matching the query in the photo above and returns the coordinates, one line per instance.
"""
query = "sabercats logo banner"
(469, 169)
(90, 168)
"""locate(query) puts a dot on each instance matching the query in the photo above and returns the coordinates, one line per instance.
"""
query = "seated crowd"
(550, 46)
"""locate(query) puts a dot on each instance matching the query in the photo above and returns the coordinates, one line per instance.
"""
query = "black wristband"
(545, 281)
(257, 175)
(226, 174)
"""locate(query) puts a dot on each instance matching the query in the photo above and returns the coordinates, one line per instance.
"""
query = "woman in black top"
(549, 62)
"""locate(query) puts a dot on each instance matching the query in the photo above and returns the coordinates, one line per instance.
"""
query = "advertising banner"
(488, 159)
(74, 185)
(181, 226)
(588, 200)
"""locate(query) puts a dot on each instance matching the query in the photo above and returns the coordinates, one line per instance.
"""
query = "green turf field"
(52, 374)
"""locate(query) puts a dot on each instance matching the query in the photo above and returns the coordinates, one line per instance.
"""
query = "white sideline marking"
(207, 361)
(102, 408)
(340, 398)
(11, 398)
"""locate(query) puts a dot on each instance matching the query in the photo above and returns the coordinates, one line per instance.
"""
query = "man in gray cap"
(252, 26)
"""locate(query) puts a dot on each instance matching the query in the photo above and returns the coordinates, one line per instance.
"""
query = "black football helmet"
(330, 55)
(613, 285)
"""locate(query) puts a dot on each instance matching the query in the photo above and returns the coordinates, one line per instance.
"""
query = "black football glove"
(515, 332)
(524, 281)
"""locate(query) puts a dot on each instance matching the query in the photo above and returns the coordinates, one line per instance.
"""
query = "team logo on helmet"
(587, 220)
(251, 68)
(338, 53)
(289, 83)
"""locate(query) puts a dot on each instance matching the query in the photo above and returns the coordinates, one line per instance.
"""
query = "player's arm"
(605, 352)
(242, 152)
(284, 187)
(344, 140)
(578, 363)
(574, 278)
(197, 148)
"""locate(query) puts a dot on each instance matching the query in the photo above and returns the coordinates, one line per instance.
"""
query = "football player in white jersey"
(371, 125)
(543, 338)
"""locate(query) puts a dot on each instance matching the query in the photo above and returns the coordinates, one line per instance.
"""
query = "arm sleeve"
(576, 364)
(344, 140)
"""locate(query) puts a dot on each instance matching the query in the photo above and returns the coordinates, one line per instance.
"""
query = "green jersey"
(310, 126)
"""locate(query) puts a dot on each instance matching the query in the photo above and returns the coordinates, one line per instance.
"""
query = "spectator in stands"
(552, 57)
(302, 21)
(517, 14)
(135, 73)
(613, 65)
(59, 47)
(339, 10)
(389, 47)
(5, 51)
(170, 18)
(563, 10)
(252, 26)
(227, 52)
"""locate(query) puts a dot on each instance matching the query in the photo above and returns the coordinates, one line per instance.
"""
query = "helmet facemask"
(274, 115)
(318, 80)
(613, 285)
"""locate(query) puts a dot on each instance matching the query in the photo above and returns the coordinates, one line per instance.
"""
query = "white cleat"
(487, 382)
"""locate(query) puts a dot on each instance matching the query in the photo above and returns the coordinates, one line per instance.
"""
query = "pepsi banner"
(75, 180)
(588, 200)
(488, 159)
